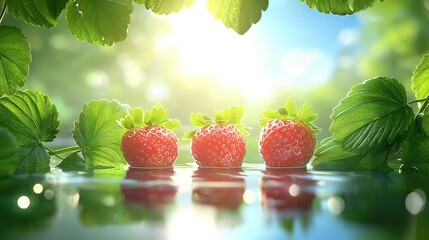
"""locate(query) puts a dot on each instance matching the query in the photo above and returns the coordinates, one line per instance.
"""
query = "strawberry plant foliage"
(165, 6)
(99, 21)
(41, 13)
(372, 115)
(32, 119)
(420, 79)
(290, 111)
(231, 115)
(30, 116)
(156, 116)
(98, 135)
(332, 156)
(14, 59)
(374, 120)
(9, 152)
(238, 14)
(341, 7)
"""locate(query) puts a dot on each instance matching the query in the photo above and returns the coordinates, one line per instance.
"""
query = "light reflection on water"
(186, 202)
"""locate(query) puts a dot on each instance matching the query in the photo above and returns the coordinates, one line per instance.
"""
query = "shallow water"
(191, 203)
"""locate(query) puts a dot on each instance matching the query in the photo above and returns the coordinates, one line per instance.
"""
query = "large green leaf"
(420, 79)
(237, 14)
(332, 156)
(99, 21)
(373, 115)
(99, 135)
(165, 6)
(41, 13)
(415, 150)
(416, 156)
(340, 7)
(30, 116)
(14, 59)
(9, 153)
(34, 159)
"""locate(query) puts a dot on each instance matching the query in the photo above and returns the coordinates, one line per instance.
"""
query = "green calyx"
(156, 116)
(231, 115)
(290, 111)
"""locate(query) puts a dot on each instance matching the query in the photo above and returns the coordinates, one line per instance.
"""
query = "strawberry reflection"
(148, 192)
(221, 188)
(286, 190)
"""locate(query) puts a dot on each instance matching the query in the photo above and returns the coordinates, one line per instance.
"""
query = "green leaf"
(416, 154)
(237, 14)
(99, 21)
(340, 7)
(372, 115)
(171, 124)
(332, 156)
(236, 114)
(14, 59)
(305, 113)
(290, 111)
(156, 115)
(270, 115)
(98, 134)
(189, 135)
(41, 13)
(165, 6)
(138, 116)
(222, 116)
(291, 108)
(34, 159)
(30, 116)
(420, 79)
(244, 130)
(9, 153)
(73, 162)
(200, 120)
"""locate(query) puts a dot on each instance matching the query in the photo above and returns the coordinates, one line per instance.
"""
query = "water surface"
(191, 203)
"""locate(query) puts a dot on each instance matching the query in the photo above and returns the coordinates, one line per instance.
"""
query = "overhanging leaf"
(34, 159)
(14, 59)
(9, 153)
(340, 7)
(30, 116)
(332, 156)
(41, 13)
(165, 6)
(98, 134)
(372, 115)
(237, 14)
(420, 79)
(99, 21)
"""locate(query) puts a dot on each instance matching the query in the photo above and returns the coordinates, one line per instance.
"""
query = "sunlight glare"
(206, 49)
(157, 91)
(192, 224)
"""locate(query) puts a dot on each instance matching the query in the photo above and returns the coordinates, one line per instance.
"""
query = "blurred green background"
(191, 63)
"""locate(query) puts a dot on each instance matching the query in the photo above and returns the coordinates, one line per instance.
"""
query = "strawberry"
(219, 143)
(149, 141)
(288, 137)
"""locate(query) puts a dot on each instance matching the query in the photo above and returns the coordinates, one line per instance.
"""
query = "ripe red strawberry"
(149, 141)
(288, 137)
(220, 143)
